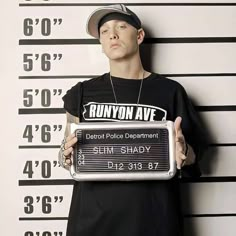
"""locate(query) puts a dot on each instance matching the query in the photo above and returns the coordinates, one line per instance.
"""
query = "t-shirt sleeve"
(194, 132)
(72, 100)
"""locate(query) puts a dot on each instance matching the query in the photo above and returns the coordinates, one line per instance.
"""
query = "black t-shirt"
(136, 208)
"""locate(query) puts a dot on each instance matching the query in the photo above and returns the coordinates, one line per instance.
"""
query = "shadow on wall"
(187, 195)
(207, 161)
(146, 51)
(190, 228)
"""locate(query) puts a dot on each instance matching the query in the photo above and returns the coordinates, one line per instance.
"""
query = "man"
(135, 208)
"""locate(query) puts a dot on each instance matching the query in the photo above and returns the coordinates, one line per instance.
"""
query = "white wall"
(195, 49)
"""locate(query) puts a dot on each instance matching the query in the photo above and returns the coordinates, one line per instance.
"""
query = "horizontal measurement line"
(46, 182)
(59, 77)
(219, 179)
(210, 215)
(38, 146)
(93, 76)
(185, 216)
(58, 146)
(200, 75)
(223, 145)
(146, 41)
(223, 179)
(191, 40)
(215, 108)
(32, 111)
(57, 41)
(127, 4)
(41, 218)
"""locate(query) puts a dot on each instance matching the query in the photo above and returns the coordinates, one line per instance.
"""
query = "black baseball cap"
(100, 13)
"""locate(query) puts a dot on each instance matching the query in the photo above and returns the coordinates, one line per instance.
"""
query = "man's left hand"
(184, 152)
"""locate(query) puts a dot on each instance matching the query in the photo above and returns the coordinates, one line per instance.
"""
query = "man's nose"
(113, 35)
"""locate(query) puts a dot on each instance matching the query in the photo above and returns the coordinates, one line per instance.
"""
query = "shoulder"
(76, 89)
(166, 82)
(94, 82)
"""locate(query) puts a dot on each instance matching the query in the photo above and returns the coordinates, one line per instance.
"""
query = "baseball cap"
(96, 16)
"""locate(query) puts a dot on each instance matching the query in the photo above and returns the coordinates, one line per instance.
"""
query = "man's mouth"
(114, 45)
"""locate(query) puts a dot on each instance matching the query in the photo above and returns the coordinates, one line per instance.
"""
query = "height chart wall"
(45, 50)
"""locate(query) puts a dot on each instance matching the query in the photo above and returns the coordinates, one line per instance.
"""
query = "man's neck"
(128, 69)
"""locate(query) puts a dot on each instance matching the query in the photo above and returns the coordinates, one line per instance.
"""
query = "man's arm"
(70, 119)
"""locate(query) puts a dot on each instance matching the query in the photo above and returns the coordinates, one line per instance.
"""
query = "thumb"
(177, 125)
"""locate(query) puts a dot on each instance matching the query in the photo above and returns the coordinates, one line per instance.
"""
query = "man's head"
(111, 12)
(118, 29)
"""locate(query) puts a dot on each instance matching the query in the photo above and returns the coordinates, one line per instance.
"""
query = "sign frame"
(127, 175)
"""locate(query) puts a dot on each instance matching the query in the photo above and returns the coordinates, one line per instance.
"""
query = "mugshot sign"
(124, 151)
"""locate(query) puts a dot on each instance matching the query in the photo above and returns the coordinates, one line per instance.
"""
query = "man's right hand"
(68, 146)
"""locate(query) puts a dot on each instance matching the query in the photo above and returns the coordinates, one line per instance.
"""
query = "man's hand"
(68, 149)
(180, 144)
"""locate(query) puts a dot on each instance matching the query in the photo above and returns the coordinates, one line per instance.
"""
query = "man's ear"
(140, 35)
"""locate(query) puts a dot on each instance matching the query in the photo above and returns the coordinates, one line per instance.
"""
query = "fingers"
(68, 152)
(177, 125)
(68, 148)
(180, 160)
(67, 160)
(70, 142)
(179, 137)
(180, 143)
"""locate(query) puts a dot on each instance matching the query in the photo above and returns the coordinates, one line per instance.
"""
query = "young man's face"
(119, 39)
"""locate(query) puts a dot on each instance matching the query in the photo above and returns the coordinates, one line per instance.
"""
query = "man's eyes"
(104, 31)
(122, 26)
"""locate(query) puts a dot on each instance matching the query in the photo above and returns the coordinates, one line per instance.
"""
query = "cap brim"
(96, 16)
